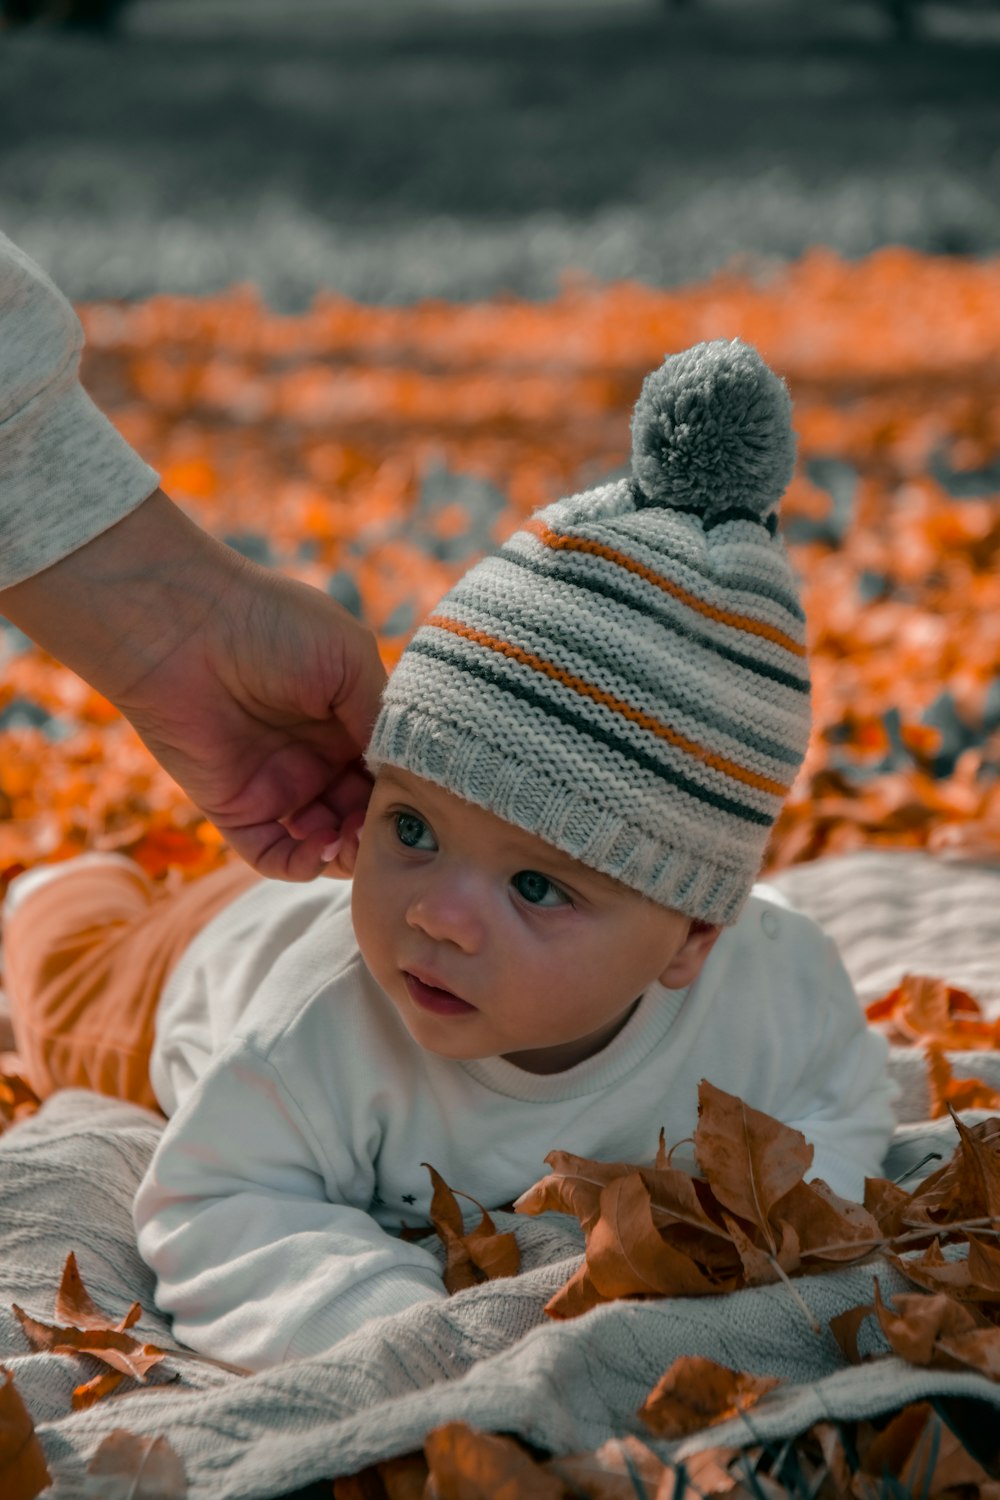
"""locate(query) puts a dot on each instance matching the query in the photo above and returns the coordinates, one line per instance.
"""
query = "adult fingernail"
(329, 854)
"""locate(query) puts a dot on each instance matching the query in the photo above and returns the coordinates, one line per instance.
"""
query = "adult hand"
(255, 692)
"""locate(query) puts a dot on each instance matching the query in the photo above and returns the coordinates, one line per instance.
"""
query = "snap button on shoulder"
(769, 922)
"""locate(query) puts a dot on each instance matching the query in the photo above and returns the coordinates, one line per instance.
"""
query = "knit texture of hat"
(627, 678)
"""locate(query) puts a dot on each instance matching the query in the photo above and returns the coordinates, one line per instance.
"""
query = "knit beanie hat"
(627, 678)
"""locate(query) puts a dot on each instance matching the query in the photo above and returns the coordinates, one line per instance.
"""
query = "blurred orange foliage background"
(376, 451)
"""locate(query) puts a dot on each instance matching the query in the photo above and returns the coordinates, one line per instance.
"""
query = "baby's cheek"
(365, 915)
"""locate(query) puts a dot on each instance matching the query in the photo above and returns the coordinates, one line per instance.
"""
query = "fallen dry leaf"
(948, 1092)
(382, 448)
(403, 1478)
(627, 1254)
(939, 1331)
(23, 1470)
(657, 1231)
(18, 1099)
(129, 1467)
(822, 1450)
(975, 1278)
(750, 1159)
(923, 1008)
(695, 1393)
(968, 1186)
(86, 1330)
(469, 1465)
(887, 1203)
(479, 1255)
(922, 1452)
(621, 1469)
(846, 1326)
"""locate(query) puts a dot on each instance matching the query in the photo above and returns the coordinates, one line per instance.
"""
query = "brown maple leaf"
(968, 1186)
(628, 1254)
(574, 1186)
(626, 1469)
(86, 1330)
(658, 1231)
(920, 1450)
(976, 1278)
(129, 1467)
(829, 1230)
(403, 1478)
(887, 1203)
(695, 1393)
(473, 1256)
(938, 1331)
(846, 1326)
(23, 1471)
(948, 1092)
(750, 1159)
(922, 1007)
(18, 1100)
(469, 1465)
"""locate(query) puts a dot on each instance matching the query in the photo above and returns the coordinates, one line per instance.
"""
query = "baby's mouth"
(434, 998)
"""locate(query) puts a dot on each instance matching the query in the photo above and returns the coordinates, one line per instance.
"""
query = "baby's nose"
(449, 912)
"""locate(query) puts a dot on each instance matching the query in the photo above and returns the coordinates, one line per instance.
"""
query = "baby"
(550, 936)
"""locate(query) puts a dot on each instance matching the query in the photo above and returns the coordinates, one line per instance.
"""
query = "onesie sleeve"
(66, 474)
(259, 1233)
(843, 1096)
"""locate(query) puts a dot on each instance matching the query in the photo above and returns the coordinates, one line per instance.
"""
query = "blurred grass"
(402, 150)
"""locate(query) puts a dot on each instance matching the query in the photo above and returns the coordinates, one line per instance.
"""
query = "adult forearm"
(117, 606)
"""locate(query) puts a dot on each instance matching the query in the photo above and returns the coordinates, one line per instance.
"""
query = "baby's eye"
(413, 831)
(538, 889)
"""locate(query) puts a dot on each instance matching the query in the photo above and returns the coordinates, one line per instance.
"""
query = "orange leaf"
(621, 1469)
(23, 1471)
(576, 1297)
(92, 1391)
(695, 1393)
(924, 1008)
(749, 1159)
(947, 1091)
(626, 1255)
(129, 1467)
(845, 1328)
(968, 1186)
(830, 1229)
(886, 1202)
(922, 1452)
(403, 1478)
(974, 1279)
(474, 1257)
(74, 1305)
(917, 1322)
(573, 1187)
(92, 1333)
(17, 1099)
(469, 1465)
(760, 1267)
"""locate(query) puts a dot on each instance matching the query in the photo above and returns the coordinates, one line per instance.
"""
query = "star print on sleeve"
(409, 1198)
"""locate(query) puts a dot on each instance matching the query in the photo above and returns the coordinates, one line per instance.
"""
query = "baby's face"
(492, 943)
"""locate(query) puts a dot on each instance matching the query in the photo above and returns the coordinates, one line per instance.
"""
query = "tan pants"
(86, 956)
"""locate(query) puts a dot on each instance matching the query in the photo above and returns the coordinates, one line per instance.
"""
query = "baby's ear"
(686, 964)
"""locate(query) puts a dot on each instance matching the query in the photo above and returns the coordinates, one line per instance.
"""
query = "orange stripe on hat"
(561, 543)
(617, 705)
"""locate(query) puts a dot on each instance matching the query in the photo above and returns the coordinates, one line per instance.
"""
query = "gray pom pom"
(712, 430)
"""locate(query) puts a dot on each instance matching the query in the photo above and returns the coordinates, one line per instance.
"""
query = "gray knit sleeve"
(65, 473)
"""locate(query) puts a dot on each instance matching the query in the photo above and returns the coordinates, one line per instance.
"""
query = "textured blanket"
(488, 1356)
